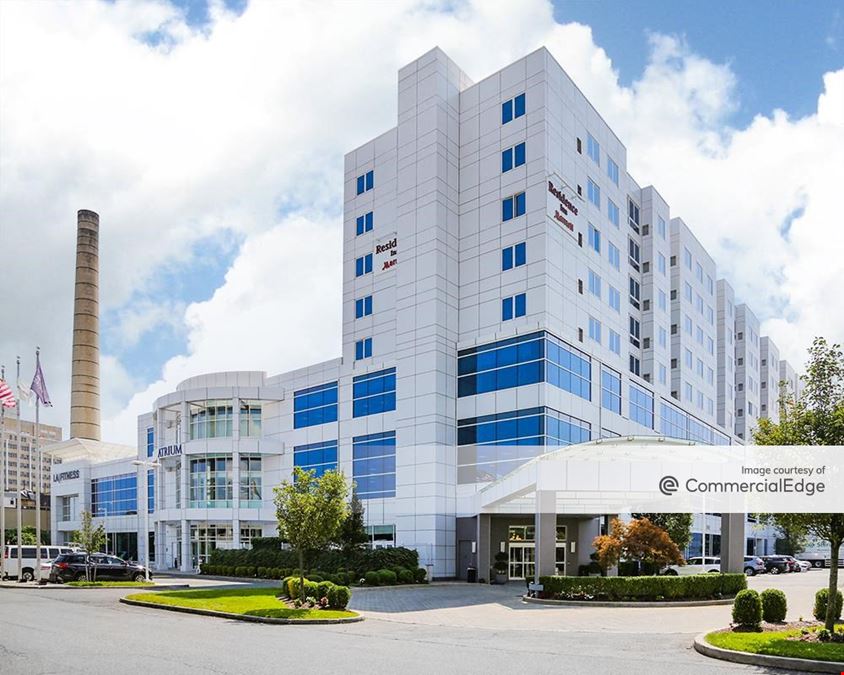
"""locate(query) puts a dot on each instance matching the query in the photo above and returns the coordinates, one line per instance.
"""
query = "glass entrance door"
(560, 567)
(522, 561)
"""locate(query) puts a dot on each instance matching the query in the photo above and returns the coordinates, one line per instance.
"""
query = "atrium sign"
(170, 451)
(560, 207)
(386, 254)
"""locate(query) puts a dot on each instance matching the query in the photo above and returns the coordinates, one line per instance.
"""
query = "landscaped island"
(643, 589)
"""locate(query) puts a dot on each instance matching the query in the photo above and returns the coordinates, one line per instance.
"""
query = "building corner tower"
(85, 368)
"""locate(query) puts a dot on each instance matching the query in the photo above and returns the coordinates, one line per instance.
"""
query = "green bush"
(373, 578)
(405, 576)
(315, 576)
(293, 588)
(419, 574)
(821, 600)
(266, 544)
(338, 597)
(322, 589)
(774, 605)
(387, 577)
(747, 609)
(694, 587)
(262, 572)
(312, 590)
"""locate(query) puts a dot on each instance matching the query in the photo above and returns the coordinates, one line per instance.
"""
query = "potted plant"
(500, 567)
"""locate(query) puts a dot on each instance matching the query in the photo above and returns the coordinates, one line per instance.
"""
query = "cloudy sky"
(209, 136)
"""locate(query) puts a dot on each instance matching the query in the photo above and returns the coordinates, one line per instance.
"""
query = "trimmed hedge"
(747, 609)
(821, 601)
(694, 587)
(265, 552)
(774, 605)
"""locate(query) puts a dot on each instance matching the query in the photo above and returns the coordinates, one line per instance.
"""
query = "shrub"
(774, 605)
(373, 578)
(419, 575)
(266, 544)
(694, 587)
(387, 577)
(821, 600)
(293, 589)
(322, 589)
(262, 572)
(339, 596)
(312, 589)
(315, 576)
(406, 576)
(747, 609)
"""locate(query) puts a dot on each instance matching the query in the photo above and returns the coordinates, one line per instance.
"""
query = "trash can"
(472, 575)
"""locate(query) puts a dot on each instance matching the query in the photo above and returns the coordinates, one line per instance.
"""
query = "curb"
(241, 617)
(803, 665)
(53, 587)
(609, 603)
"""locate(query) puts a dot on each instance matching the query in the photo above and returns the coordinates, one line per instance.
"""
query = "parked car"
(793, 564)
(697, 565)
(805, 565)
(753, 565)
(73, 567)
(776, 564)
(29, 560)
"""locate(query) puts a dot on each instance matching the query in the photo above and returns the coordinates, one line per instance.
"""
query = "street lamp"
(150, 465)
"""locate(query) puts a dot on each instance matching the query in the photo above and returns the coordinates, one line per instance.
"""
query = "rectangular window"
(150, 441)
(615, 298)
(699, 335)
(114, 495)
(633, 215)
(687, 257)
(211, 419)
(374, 465)
(699, 272)
(687, 355)
(612, 170)
(250, 419)
(635, 291)
(611, 390)
(594, 238)
(513, 207)
(363, 307)
(251, 477)
(512, 157)
(211, 484)
(594, 193)
(687, 324)
(614, 255)
(687, 291)
(365, 182)
(512, 109)
(593, 149)
(595, 330)
(663, 374)
(635, 365)
(315, 405)
(513, 256)
(513, 307)
(363, 223)
(363, 349)
(316, 457)
(662, 301)
(660, 227)
(633, 253)
(374, 393)
(660, 264)
(641, 406)
(710, 285)
(491, 446)
(663, 337)
(612, 212)
(594, 284)
(634, 332)
(615, 342)
(363, 265)
(527, 359)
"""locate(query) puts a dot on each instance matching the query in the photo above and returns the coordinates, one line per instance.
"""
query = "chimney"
(85, 370)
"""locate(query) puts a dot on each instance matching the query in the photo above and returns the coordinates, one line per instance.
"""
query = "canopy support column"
(732, 542)
(546, 534)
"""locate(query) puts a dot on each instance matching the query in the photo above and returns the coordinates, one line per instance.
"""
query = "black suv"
(72, 567)
(776, 564)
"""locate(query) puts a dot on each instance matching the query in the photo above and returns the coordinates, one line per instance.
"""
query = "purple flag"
(39, 387)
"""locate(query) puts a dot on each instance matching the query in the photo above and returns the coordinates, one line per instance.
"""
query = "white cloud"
(226, 128)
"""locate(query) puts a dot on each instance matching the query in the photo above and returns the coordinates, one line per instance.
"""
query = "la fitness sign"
(66, 475)
(386, 254)
(560, 206)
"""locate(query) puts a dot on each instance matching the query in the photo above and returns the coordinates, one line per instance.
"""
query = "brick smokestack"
(85, 370)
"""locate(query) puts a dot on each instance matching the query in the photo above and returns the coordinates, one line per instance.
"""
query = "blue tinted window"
(506, 309)
(363, 349)
(374, 393)
(370, 180)
(520, 204)
(361, 185)
(519, 154)
(507, 258)
(315, 405)
(363, 307)
(507, 160)
(316, 457)
(150, 441)
(641, 406)
(363, 265)
(365, 182)
(594, 193)
(521, 256)
(520, 305)
(506, 111)
(374, 465)
(114, 495)
(150, 490)
(611, 390)
(519, 106)
(507, 209)
(363, 223)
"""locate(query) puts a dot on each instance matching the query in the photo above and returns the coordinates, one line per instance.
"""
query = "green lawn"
(109, 584)
(248, 601)
(775, 644)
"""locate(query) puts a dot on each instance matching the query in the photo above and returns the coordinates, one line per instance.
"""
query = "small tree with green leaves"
(677, 525)
(816, 418)
(310, 512)
(92, 539)
(353, 535)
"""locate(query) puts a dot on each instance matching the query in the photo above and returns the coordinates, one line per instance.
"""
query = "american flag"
(7, 396)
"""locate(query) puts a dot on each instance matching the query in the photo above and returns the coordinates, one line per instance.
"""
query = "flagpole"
(2, 482)
(18, 493)
(37, 481)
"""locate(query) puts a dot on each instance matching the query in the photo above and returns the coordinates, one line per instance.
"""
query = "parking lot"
(448, 628)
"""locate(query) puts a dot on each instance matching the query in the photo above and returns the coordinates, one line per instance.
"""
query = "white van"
(12, 569)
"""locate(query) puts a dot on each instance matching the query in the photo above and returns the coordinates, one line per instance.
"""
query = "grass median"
(777, 643)
(247, 601)
(110, 584)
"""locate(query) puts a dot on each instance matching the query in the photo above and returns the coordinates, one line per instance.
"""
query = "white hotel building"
(507, 286)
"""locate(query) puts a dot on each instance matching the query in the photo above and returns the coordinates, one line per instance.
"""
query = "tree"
(815, 418)
(792, 541)
(677, 525)
(639, 540)
(353, 534)
(310, 512)
(27, 536)
(90, 538)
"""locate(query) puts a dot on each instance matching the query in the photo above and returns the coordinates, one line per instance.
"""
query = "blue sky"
(778, 50)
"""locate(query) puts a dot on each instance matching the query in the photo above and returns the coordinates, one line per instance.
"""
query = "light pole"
(148, 465)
